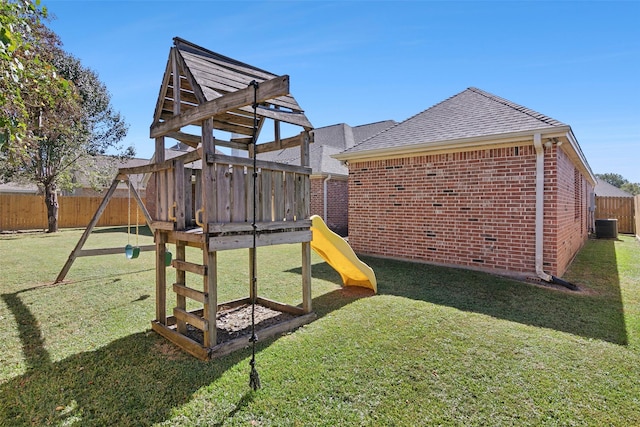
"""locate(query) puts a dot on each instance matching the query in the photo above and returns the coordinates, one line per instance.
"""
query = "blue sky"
(359, 62)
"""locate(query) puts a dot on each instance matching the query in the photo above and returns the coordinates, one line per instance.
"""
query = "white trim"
(478, 142)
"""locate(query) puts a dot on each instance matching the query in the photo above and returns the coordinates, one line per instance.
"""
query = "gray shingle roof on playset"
(471, 113)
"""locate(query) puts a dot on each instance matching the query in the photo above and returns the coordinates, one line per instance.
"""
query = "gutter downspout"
(537, 143)
(324, 193)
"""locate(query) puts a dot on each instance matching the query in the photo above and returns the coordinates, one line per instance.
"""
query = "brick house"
(329, 188)
(474, 181)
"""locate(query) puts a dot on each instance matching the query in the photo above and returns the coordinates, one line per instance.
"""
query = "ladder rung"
(192, 319)
(201, 297)
(189, 266)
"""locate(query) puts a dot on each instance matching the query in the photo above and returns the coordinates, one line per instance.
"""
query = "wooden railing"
(282, 191)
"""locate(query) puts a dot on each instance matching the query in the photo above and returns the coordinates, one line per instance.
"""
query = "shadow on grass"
(135, 380)
(595, 312)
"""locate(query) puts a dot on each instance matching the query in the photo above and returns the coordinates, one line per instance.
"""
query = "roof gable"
(195, 75)
(471, 113)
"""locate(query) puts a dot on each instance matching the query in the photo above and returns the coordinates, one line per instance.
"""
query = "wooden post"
(161, 240)
(211, 289)
(161, 278)
(181, 301)
(306, 246)
(209, 198)
(306, 277)
(159, 158)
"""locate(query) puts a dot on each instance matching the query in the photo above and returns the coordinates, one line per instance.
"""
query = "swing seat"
(131, 252)
(167, 258)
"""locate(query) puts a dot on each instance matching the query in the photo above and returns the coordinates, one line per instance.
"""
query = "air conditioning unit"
(607, 228)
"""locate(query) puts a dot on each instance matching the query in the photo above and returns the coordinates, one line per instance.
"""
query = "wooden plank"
(141, 205)
(223, 189)
(240, 227)
(187, 344)
(163, 89)
(192, 319)
(239, 194)
(261, 164)
(306, 277)
(299, 196)
(209, 193)
(231, 127)
(190, 293)
(211, 289)
(289, 196)
(197, 203)
(273, 88)
(163, 225)
(181, 301)
(294, 118)
(221, 243)
(293, 141)
(181, 265)
(188, 198)
(280, 306)
(162, 207)
(180, 188)
(87, 231)
(265, 198)
(188, 157)
(112, 251)
(194, 141)
(161, 277)
(222, 79)
(278, 196)
(176, 82)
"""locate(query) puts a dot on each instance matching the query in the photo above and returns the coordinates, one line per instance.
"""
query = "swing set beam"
(79, 252)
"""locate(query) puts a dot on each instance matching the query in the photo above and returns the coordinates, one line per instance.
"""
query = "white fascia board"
(573, 142)
(454, 144)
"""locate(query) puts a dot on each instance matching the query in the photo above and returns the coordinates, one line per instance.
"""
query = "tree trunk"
(51, 200)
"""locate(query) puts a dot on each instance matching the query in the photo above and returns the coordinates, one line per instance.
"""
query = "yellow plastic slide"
(339, 255)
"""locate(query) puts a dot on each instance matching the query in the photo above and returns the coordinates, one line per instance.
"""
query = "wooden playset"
(232, 202)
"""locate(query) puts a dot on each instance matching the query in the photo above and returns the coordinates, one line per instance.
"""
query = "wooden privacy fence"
(620, 208)
(637, 209)
(28, 212)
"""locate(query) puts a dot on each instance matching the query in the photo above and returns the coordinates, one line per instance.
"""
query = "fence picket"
(28, 212)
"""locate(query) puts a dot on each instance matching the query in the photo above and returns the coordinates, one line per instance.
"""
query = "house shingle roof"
(471, 113)
(603, 188)
(328, 141)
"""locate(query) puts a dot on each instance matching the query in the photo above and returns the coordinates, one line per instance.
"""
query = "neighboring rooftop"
(604, 189)
(328, 141)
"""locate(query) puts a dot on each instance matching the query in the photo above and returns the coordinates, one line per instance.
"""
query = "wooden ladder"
(182, 316)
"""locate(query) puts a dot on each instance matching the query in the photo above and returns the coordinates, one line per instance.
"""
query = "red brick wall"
(474, 209)
(317, 197)
(573, 191)
(337, 203)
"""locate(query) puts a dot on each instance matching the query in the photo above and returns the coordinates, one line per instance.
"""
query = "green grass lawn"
(436, 346)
